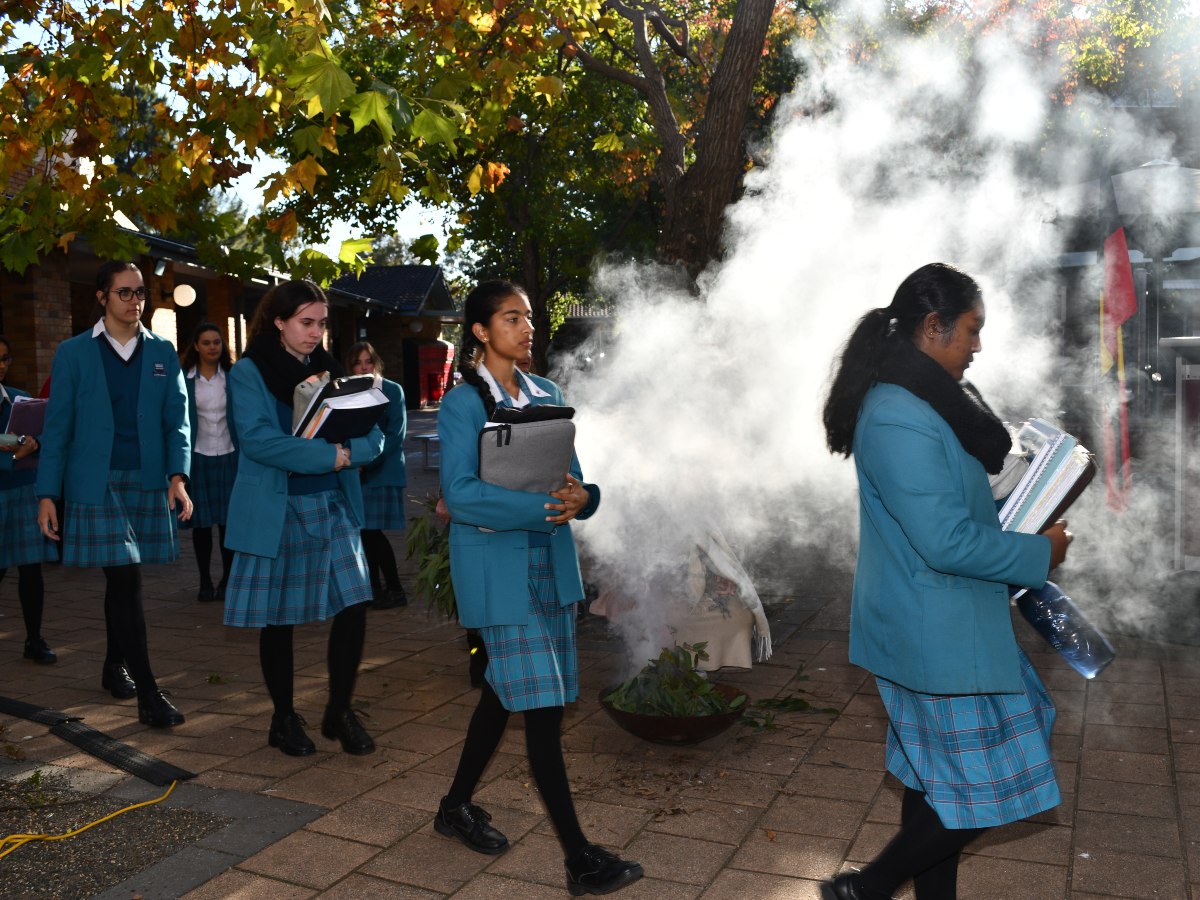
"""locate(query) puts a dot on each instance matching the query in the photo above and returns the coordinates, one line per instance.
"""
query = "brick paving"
(762, 815)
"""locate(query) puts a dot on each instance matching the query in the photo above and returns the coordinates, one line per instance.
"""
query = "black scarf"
(281, 371)
(977, 428)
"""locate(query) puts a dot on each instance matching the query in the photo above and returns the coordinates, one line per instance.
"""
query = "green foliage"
(671, 686)
(428, 542)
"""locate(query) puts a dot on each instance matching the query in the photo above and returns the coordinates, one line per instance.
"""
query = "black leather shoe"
(388, 598)
(158, 712)
(116, 680)
(206, 594)
(221, 585)
(39, 651)
(345, 727)
(844, 887)
(469, 823)
(288, 735)
(596, 871)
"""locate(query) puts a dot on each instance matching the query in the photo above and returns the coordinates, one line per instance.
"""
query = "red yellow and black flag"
(1118, 303)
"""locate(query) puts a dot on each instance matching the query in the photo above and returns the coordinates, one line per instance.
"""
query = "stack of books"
(1061, 468)
(339, 409)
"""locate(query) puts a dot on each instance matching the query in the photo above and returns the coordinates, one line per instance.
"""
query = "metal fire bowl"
(676, 729)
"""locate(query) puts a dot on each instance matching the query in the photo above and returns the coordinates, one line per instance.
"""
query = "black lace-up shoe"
(158, 712)
(39, 651)
(469, 823)
(287, 733)
(116, 680)
(845, 887)
(596, 871)
(344, 726)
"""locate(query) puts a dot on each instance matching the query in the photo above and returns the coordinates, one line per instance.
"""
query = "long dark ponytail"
(933, 288)
(480, 306)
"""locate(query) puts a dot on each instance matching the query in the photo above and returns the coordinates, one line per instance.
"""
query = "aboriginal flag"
(1118, 303)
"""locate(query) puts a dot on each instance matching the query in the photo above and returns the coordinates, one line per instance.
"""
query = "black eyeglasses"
(125, 293)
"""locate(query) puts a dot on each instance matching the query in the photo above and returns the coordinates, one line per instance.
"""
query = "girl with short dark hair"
(116, 448)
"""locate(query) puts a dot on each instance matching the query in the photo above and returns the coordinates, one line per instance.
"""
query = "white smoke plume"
(708, 409)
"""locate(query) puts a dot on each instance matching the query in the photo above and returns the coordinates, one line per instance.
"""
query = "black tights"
(202, 543)
(344, 653)
(32, 593)
(543, 745)
(925, 850)
(381, 559)
(125, 623)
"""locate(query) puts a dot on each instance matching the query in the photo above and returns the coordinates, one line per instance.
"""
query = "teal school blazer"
(490, 569)
(930, 608)
(265, 456)
(388, 470)
(78, 433)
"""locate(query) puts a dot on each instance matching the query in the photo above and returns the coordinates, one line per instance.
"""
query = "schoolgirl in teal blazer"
(516, 579)
(78, 433)
(969, 720)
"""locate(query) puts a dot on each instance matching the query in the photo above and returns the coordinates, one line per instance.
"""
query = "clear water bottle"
(1056, 618)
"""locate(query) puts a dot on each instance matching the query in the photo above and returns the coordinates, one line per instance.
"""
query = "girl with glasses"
(116, 449)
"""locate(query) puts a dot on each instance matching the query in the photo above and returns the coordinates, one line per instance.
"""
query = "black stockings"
(925, 850)
(202, 540)
(381, 559)
(543, 744)
(344, 654)
(31, 593)
(125, 622)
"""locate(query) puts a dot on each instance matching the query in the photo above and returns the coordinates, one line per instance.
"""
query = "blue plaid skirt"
(210, 487)
(21, 540)
(133, 525)
(383, 508)
(535, 665)
(982, 759)
(320, 569)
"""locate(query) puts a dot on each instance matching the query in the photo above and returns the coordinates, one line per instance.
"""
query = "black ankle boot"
(287, 733)
(344, 726)
(596, 871)
(115, 679)
(469, 823)
(158, 712)
(39, 651)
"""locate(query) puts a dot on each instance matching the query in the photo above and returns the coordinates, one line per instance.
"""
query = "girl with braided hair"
(516, 579)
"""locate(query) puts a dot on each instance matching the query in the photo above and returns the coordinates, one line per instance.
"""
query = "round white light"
(184, 295)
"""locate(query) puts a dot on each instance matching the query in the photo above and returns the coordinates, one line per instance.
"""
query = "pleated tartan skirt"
(133, 525)
(210, 487)
(383, 508)
(535, 665)
(982, 759)
(21, 540)
(320, 569)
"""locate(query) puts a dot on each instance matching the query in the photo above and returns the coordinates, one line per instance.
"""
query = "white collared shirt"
(125, 351)
(210, 431)
(525, 383)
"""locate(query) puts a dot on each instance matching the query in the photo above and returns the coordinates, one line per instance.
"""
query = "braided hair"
(481, 304)
(933, 288)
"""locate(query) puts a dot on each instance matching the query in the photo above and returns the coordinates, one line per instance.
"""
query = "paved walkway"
(746, 815)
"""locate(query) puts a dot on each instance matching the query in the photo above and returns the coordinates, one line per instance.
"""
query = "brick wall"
(37, 317)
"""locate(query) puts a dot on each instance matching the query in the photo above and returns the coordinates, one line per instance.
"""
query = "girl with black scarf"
(295, 517)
